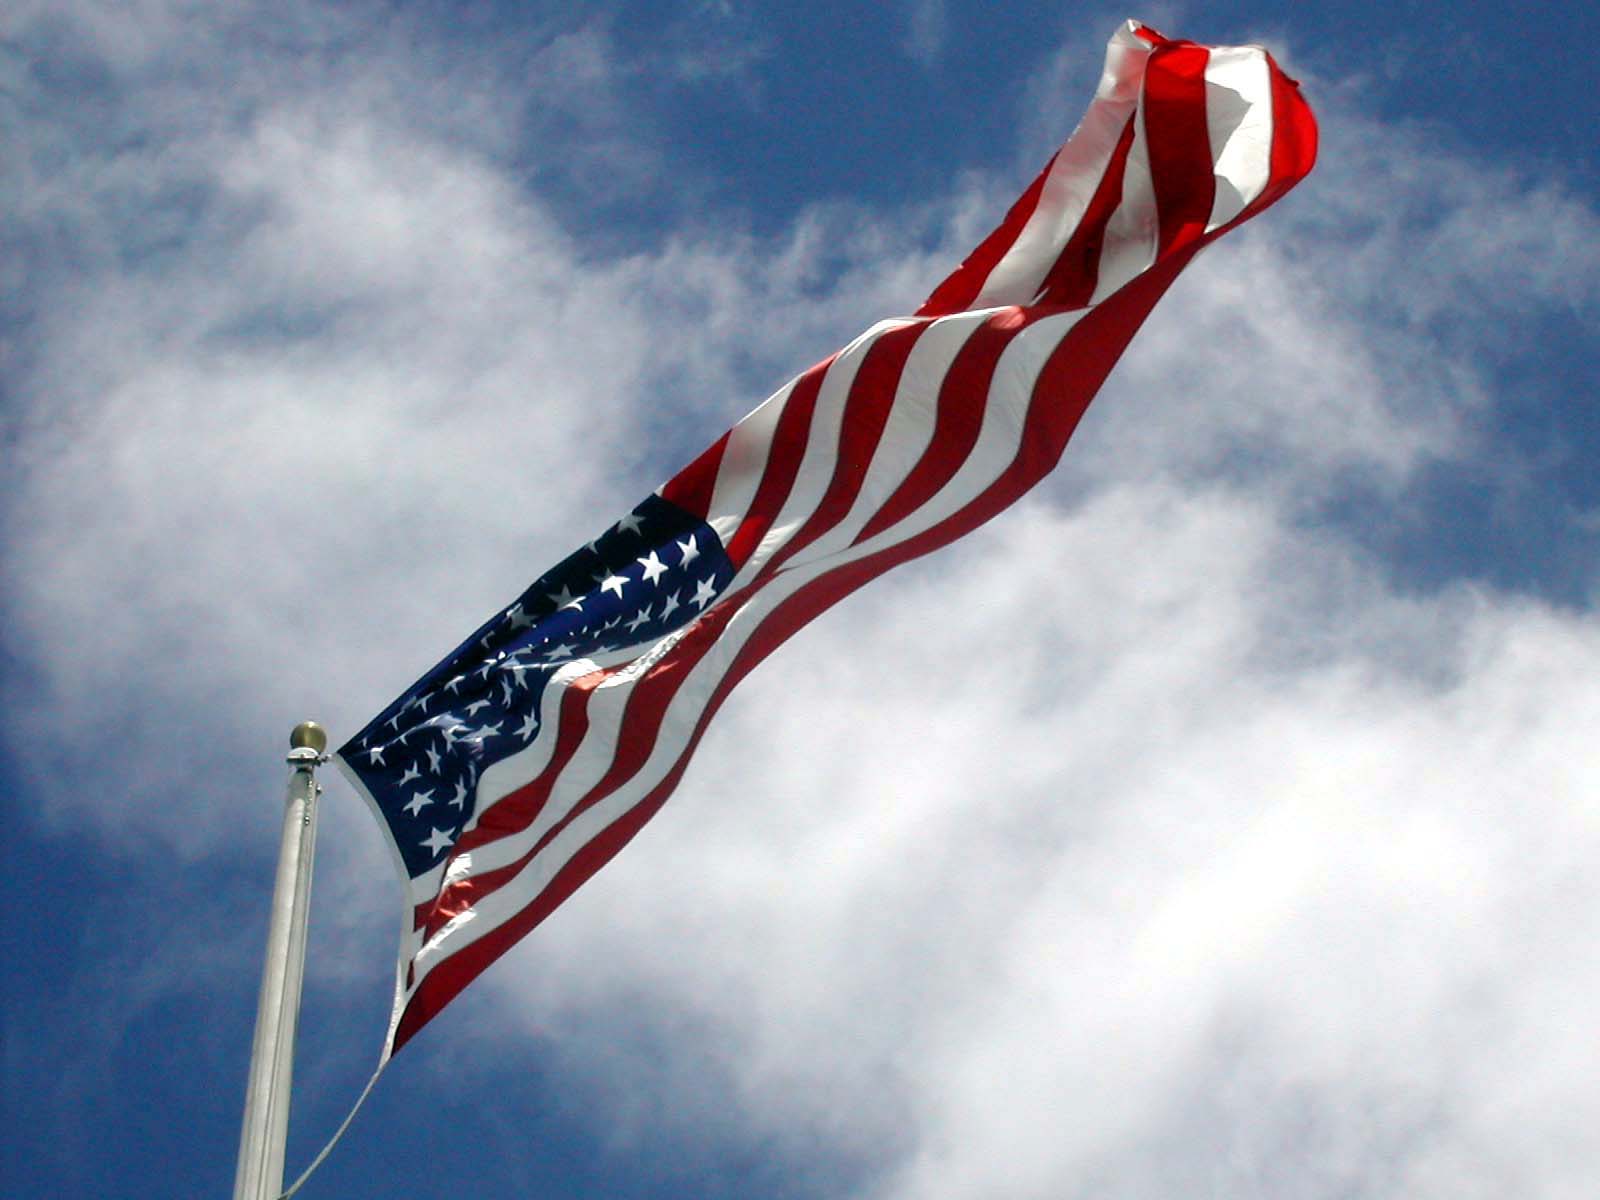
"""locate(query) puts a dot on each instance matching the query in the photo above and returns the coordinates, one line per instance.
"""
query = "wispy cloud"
(926, 28)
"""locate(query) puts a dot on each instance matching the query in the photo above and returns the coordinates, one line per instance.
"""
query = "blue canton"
(652, 572)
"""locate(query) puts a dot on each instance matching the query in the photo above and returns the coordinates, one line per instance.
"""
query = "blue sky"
(1221, 820)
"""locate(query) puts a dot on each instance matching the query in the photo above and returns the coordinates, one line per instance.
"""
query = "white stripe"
(1073, 180)
(504, 777)
(821, 452)
(743, 460)
(996, 448)
(912, 421)
(589, 763)
(1005, 410)
(1239, 121)
(906, 433)
(1133, 233)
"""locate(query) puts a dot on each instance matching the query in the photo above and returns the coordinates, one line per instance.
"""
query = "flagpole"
(266, 1103)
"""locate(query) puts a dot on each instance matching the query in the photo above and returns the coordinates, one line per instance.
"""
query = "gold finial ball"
(308, 735)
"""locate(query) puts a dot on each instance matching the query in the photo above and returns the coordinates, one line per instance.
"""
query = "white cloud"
(1050, 862)
(927, 26)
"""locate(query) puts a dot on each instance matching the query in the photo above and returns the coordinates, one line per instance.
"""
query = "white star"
(394, 721)
(505, 693)
(630, 523)
(375, 756)
(437, 840)
(557, 653)
(488, 731)
(454, 684)
(690, 551)
(565, 599)
(476, 705)
(669, 606)
(452, 733)
(639, 618)
(654, 568)
(704, 593)
(529, 727)
(460, 798)
(433, 761)
(613, 583)
(420, 702)
(419, 801)
(411, 773)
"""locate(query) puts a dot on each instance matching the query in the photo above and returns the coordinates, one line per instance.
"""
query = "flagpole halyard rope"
(337, 1133)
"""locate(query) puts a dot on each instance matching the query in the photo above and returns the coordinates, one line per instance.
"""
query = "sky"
(1222, 820)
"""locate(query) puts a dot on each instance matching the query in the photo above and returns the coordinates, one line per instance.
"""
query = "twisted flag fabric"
(524, 761)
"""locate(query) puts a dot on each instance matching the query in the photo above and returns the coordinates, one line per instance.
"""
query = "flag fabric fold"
(533, 753)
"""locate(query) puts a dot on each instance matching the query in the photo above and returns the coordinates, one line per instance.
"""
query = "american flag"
(523, 762)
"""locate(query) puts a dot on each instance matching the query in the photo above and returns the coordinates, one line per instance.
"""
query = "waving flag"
(523, 762)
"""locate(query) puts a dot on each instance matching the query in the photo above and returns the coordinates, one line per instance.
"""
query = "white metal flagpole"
(266, 1101)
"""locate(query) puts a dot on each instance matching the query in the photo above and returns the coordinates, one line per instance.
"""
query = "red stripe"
(445, 982)
(1294, 145)
(1071, 281)
(957, 293)
(1182, 170)
(1294, 137)
(964, 285)
(866, 412)
(957, 420)
(517, 809)
(691, 489)
(787, 450)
